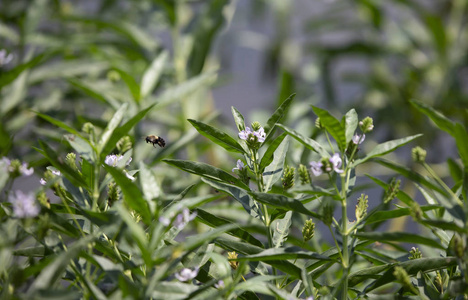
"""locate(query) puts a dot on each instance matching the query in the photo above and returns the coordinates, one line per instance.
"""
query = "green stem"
(345, 233)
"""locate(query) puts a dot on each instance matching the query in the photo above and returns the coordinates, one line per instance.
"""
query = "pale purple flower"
(316, 168)
(5, 58)
(357, 139)
(239, 166)
(111, 160)
(7, 161)
(219, 284)
(24, 205)
(248, 134)
(260, 134)
(187, 274)
(165, 221)
(184, 218)
(244, 134)
(56, 172)
(42, 181)
(336, 163)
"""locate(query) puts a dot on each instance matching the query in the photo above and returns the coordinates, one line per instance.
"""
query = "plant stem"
(344, 231)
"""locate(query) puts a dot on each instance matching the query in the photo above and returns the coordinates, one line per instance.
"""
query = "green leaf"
(240, 194)
(121, 131)
(412, 267)
(132, 194)
(366, 274)
(214, 221)
(217, 136)
(444, 225)
(267, 157)
(6, 77)
(278, 115)
(308, 142)
(248, 249)
(280, 229)
(152, 74)
(55, 270)
(205, 170)
(284, 203)
(238, 118)
(437, 117)
(461, 138)
(66, 170)
(93, 92)
(112, 125)
(62, 125)
(350, 123)
(82, 147)
(333, 126)
(384, 148)
(274, 170)
(149, 184)
(405, 237)
(131, 83)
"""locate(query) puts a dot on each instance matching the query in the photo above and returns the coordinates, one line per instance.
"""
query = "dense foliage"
(119, 180)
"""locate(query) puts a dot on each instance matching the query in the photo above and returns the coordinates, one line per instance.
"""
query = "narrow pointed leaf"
(217, 136)
(267, 157)
(238, 118)
(437, 117)
(333, 126)
(152, 74)
(350, 122)
(131, 83)
(274, 170)
(112, 125)
(399, 237)
(384, 148)
(308, 142)
(278, 115)
(284, 203)
(280, 229)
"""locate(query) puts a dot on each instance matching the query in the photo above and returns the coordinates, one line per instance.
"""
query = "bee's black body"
(155, 140)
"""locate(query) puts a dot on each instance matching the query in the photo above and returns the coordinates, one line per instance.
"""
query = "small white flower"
(239, 166)
(184, 218)
(260, 134)
(187, 274)
(24, 205)
(56, 173)
(165, 221)
(42, 181)
(336, 162)
(111, 160)
(357, 139)
(316, 168)
(129, 176)
(4, 58)
(219, 284)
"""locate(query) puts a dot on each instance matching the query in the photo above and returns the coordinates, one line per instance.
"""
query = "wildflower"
(239, 166)
(233, 255)
(42, 181)
(4, 58)
(24, 205)
(17, 168)
(165, 221)
(219, 284)
(316, 168)
(336, 163)
(415, 253)
(253, 138)
(358, 139)
(184, 218)
(112, 160)
(187, 274)
(56, 172)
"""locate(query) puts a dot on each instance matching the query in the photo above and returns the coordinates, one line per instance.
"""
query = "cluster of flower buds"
(124, 144)
(418, 154)
(361, 207)
(415, 253)
(234, 264)
(16, 168)
(392, 191)
(304, 175)
(402, 276)
(308, 231)
(288, 177)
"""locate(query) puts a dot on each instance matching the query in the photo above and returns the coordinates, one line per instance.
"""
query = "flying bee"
(155, 140)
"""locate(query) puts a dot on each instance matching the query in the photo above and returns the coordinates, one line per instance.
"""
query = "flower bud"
(457, 246)
(403, 277)
(416, 212)
(256, 126)
(304, 175)
(308, 231)
(88, 128)
(234, 264)
(415, 253)
(288, 177)
(327, 213)
(113, 193)
(318, 124)
(366, 125)
(361, 207)
(124, 144)
(113, 76)
(70, 160)
(392, 191)
(418, 154)
(43, 199)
